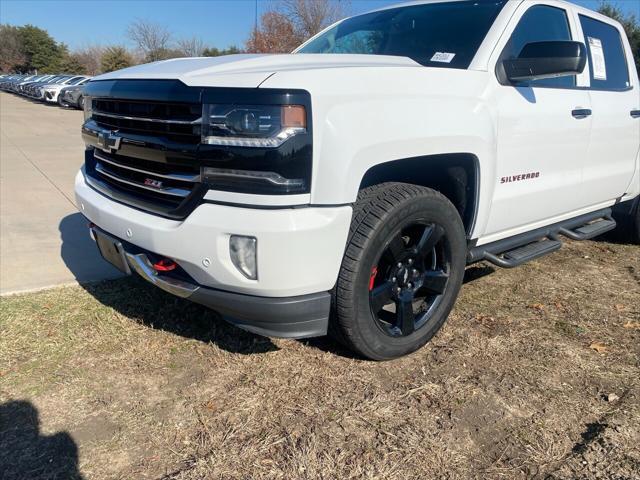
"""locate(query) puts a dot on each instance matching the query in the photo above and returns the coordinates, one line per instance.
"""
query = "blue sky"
(219, 23)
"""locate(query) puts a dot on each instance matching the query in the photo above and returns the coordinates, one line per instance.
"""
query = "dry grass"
(131, 383)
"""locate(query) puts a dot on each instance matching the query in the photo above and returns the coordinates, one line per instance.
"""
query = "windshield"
(445, 34)
(75, 81)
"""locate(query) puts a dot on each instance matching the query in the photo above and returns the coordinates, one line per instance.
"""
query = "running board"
(590, 230)
(514, 251)
(518, 256)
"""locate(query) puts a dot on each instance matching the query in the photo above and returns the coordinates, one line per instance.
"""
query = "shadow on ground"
(145, 304)
(27, 454)
(79, 252)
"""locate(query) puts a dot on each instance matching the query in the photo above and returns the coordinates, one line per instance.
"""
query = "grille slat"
(146, 182)
(171, 191)
(179, 122)
(176, 176)
(157, 120)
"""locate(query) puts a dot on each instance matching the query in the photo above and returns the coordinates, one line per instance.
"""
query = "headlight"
(262, 126)
(88, 108)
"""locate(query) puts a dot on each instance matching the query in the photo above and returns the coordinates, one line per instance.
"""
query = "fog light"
(243, 255)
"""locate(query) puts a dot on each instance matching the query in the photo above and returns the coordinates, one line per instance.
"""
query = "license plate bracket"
(112, 251)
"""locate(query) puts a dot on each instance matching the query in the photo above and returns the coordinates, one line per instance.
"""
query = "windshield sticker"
(597, 59)
(443, 57)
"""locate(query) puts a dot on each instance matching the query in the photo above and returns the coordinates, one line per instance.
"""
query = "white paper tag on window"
(597, 59)
(443, 57)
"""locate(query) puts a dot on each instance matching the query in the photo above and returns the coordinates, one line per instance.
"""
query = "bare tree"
(90, 58)
(151, 38)
(288, 23)
(274, 35)
(311, 16)
(11, 50)
(191, 47)
(115, 58)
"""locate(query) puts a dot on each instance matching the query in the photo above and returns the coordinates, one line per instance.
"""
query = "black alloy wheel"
(410, 278)
(401, 272)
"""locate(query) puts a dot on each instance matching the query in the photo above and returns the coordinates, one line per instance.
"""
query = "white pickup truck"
(343, 188)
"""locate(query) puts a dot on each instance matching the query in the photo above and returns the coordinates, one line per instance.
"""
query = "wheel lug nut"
(394, 279)
(409, 285)
(410, 261)
(399, 264)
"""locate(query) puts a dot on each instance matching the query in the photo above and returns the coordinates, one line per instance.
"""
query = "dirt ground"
(535, 375)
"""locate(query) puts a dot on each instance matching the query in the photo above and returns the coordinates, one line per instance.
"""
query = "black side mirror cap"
(551, 59)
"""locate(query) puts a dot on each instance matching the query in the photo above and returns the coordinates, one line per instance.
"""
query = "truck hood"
(247, 70)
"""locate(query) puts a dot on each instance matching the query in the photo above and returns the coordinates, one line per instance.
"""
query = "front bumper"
(299, 250)
(292, 317)
(51, 97)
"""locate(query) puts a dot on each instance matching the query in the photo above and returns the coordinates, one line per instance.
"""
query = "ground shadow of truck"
(143, 303)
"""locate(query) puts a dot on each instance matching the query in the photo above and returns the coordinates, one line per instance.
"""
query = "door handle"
(581, 113)
(635, 113)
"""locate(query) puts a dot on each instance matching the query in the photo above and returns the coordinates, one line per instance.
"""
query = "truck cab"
(344, 187)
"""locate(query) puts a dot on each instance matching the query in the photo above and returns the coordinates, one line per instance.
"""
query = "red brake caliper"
(372, 278)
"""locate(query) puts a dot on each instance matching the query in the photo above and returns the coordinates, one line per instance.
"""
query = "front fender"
(364, 117)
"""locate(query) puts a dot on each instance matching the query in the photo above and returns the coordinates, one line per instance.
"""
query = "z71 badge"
(151, 182)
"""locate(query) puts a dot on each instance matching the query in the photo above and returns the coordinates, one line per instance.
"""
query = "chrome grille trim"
(145, 119)
(171, 191)
(179, 177)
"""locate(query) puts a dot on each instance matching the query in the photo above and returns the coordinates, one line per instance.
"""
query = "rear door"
(614, 93)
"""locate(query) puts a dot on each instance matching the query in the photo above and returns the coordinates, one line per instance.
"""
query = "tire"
(628, 220)
(635, 225)
(405, 242)
(62, 103)
(80, 103)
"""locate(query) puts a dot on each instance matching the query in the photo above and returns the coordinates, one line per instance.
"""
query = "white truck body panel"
(247, 70)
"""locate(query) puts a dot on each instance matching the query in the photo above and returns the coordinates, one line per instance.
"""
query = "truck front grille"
(156, 186)
(179, 122)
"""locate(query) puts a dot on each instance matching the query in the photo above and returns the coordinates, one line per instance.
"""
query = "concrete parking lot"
(43, 238)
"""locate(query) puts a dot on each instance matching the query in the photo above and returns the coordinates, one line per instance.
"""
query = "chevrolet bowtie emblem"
(109, 141)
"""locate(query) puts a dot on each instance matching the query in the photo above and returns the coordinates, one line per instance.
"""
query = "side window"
(540, 23)
(609, 69)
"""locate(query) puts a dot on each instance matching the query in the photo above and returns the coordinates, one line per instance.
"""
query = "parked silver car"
(72, 96)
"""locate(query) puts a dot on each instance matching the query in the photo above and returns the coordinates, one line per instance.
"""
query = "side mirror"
(540, 60)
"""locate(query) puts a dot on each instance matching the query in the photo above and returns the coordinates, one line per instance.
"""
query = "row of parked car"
(65, 90)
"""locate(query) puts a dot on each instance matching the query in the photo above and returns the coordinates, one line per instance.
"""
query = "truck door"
(615, 135)
(543, 131)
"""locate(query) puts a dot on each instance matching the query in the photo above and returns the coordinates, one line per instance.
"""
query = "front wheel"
(81, 103)
(402, 270)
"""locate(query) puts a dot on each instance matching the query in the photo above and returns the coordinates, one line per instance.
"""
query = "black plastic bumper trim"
(284, 317)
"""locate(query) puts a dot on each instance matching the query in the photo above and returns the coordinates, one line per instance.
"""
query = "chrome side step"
(514, 251)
